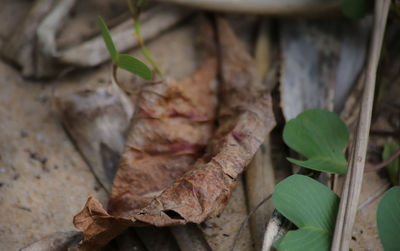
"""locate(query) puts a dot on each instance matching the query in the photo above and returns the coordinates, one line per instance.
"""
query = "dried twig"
(352, 187)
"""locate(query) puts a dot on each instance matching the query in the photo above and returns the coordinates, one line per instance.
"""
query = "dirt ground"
(44, 180)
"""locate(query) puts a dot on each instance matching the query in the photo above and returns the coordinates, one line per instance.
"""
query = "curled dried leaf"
(176, 168)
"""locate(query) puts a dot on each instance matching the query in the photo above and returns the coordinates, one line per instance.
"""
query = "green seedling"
(320, 136)
(135, 12)
(312, 207)
(123, 61)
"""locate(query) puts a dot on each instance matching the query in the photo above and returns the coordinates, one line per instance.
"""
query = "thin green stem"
(131, 9)
(136, 15)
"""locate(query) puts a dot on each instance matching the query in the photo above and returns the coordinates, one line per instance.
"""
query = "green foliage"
(312, 207)
(392, 168)
(354, 8)
(107, 39)
(136, 10)
(321, 136)
(134, 66)
(388, 219)
(123, 61)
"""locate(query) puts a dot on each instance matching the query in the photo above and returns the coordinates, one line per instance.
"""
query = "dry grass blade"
(352, 187)
(260, 177)
(260, 181)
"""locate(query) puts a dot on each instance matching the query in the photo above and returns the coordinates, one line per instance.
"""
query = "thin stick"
(247, 219)
(383, 163)
(352, 188)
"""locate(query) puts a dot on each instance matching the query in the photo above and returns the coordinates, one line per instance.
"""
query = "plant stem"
(383, 163)
(115, 77)
(247, 219)
(136, 22)
(352, 187)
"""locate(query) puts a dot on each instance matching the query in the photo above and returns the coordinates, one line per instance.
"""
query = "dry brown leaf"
(172, 124)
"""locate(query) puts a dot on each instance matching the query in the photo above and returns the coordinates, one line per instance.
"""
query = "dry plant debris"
(352, 187)
(244, 118)
(97, 120)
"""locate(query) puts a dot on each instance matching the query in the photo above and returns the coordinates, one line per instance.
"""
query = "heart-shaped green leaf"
(388, 219)
(134, 66)
(105, 33)
(392, 167)
(321, 136)
(312, 207)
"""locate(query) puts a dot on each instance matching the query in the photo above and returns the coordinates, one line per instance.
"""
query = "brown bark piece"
(244, 117)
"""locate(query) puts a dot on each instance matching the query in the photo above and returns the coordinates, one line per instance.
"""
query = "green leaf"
(134, 66)
(305, 239)
(312, 207)
(321, 136)
(388, 219)
(107, 39)
(354, 8)
(392, 168)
